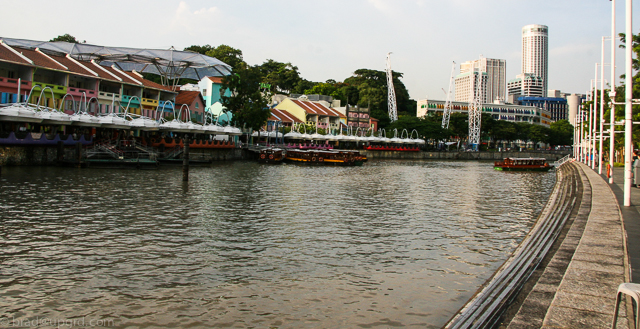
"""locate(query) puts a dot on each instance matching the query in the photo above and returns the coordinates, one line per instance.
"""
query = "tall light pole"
(582, 149)
(595, 117)
(601, 108)
(628, 109)
(612, 93)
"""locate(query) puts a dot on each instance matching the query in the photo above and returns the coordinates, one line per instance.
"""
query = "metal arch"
(391, 102)
(446, 115)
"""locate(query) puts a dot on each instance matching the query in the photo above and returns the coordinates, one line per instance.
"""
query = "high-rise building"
(496, 70)
(466, 86)
(535, 52)
(526, 85)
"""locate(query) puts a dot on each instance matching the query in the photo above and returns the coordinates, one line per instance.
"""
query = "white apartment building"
(526, 85)
(496, 70)
(535, 52)
(466, 86)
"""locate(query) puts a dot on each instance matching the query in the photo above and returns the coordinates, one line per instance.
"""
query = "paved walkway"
(577, 288)
(631, 219)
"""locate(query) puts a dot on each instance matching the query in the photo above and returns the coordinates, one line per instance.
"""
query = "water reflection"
(393, 243)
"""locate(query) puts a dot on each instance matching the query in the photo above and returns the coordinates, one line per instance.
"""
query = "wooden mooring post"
(185, 160)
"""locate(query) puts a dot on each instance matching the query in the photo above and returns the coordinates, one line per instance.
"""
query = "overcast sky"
(330, 39)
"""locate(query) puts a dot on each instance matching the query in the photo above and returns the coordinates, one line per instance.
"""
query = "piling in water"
(185, 160)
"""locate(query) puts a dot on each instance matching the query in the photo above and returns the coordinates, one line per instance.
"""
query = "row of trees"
(494, 132)
(366, 88)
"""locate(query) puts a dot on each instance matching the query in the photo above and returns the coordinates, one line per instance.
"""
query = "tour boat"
(522, 164)
(322, 157)
(271, 155)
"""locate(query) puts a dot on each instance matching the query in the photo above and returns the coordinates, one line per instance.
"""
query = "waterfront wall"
(50, 155)
(549, 155)
(53, 155)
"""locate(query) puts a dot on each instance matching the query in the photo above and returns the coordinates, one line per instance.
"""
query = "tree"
(247, 104)
(561, 133)
(199, 49)
(372, 86)
(228, 55)
(66, 38)
(538, 134)
(459, 125)
(281, 76)
(503, 131)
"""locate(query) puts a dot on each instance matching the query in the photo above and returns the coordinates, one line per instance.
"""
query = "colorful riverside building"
(55, 74)
(313, 113)
(507, 112)
(210, 87)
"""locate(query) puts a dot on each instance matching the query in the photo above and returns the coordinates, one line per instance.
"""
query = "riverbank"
(575, 284)
(54, 155)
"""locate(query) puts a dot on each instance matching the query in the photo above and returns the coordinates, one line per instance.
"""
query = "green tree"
(281, 76)
(561, 133)
(459, 125)
(372, 87)
(247, 104)
(503, 131)
(538, 134)
(66, 38)
(199, 49)
(228, 55)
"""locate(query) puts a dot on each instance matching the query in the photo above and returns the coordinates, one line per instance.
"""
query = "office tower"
(535, 52)
(496, 71)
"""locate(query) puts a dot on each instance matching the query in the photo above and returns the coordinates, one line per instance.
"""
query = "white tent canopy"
(171, 63)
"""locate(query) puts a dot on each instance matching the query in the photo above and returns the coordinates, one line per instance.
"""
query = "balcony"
(132, 101)
(149, 102)
(57, 89)
(168, 105)
(108, 96)
(13, 83)
(73, 91)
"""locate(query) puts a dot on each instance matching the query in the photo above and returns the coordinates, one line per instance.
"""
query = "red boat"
(522, 164)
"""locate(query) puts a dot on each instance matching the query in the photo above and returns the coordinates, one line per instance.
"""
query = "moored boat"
(522, 164)
(324, 157)
(271, 155)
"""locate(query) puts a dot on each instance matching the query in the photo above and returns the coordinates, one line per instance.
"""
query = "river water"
(388, 244)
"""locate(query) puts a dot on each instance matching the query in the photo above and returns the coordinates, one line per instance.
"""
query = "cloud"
(381, 5)
(192, 21)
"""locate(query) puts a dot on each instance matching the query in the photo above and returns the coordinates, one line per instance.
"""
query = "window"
(204, 92)
(197, 105)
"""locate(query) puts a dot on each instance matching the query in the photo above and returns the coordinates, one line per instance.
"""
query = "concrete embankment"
(577, 287)
(425, 155)
(52, 155)
(566, 271)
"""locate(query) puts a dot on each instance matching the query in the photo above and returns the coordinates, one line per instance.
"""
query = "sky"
(330, 39)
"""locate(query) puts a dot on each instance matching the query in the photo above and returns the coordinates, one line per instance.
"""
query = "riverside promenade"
(577, 287)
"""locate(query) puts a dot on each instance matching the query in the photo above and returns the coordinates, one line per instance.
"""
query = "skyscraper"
(496, 70)
(535, 52)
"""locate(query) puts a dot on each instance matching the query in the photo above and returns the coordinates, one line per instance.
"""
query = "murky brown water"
(389, 244)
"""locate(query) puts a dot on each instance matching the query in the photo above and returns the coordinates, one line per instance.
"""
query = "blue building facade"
(557, 107)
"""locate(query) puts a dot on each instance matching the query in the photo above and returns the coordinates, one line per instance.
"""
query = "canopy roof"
(171, 63)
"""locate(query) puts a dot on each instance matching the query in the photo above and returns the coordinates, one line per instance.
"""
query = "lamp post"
(628, 128)
(612, 93)
(593, 122)
(601, 108)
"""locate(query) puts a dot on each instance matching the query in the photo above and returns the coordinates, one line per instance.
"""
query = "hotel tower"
(535, 51)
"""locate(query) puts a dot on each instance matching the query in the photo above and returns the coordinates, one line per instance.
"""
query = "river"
(388, 244)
